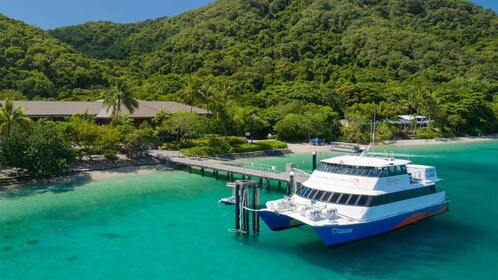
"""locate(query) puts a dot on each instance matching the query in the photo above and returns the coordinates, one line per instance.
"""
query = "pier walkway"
(264, 173)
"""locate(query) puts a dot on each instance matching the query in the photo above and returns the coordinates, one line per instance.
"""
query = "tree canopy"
(334, 53)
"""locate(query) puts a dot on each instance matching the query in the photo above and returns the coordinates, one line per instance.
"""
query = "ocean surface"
(168, 225)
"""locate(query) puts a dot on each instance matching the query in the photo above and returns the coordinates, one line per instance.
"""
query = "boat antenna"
(364, 153)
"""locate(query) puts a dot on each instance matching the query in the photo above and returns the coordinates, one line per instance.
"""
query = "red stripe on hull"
(419, 216)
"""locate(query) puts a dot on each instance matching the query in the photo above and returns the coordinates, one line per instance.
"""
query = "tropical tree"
(41, 151)
(120, 95)
(207, 94)
(191, 92)
(221, 99)
(10, 116)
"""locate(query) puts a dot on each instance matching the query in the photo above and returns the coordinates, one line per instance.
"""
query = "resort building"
(60, 110)
(411, 119)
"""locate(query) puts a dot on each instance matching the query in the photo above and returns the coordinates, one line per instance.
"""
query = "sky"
(49, 14)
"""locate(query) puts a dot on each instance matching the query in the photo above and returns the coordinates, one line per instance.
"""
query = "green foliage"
(111, 155)
(212, 145)
(246, 61)
(198, 151)
(236, 140)
(11, 116)
(385, 131)
(41, 151)
(312, 121)
(136, 142)
(259, 146)
(427, 133)
(119, 95)
(185, 125)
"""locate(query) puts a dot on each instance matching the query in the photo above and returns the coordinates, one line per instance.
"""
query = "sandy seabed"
(127, 171)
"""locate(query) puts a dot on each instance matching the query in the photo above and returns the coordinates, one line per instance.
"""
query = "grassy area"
(214, 145)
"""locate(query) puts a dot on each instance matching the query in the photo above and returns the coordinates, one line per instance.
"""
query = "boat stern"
(276, 221)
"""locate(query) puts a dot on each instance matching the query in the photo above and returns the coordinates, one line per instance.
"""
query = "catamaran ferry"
(353, 197)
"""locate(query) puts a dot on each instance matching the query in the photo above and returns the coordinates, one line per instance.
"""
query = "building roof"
(146, 109)
(57, 108)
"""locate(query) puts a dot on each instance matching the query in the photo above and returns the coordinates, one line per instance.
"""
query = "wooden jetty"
(265, 176)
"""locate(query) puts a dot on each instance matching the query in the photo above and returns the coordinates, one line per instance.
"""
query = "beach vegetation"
(11, 116)
(41, 151)
(211, 145)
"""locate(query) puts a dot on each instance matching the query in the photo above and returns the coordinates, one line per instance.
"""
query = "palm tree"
(191, 92)
(10, 116)
(221, 99)
(118, 96)
(207, 94)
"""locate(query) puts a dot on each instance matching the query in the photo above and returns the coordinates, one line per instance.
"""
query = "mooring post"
(245, 212)
(279, 185)
(290, 189)
(313, 156)
(237, 206)
(190, 169)
(255, 206)
(202, 172)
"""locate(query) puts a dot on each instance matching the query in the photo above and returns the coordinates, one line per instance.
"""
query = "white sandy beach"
(306, 147)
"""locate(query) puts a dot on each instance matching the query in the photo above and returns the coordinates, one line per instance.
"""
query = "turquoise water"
(168, 225)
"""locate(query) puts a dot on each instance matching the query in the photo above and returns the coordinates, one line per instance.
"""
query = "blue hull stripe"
(333, 235)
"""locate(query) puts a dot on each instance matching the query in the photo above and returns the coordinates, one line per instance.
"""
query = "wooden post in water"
(237, 206)
(242, 195)
(245, 212)
(255, 206)
(313, 157)
(291, 188)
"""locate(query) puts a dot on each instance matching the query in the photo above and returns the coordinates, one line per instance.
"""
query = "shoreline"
(306, 147)
(89, 171)
(84, 171)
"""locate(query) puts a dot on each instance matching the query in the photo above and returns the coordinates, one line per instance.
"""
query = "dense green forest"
(291, 67)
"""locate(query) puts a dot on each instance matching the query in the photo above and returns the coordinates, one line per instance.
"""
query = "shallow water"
(168, 225)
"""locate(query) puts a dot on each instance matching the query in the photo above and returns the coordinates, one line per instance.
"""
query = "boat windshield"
(365, 171)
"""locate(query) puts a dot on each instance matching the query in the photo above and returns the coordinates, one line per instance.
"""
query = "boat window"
(402, 195)
(299, 189)
(376, 172)
(335, 197)
(306, 192)
(312, 194)
(356, 199)
(353, 199)
(344, 198)
(363, 200)
(384, 172)
(326, 196)
(302, 190)
(318, 195)
(403, 169)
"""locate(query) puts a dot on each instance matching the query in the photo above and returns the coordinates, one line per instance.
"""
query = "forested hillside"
(276, 60)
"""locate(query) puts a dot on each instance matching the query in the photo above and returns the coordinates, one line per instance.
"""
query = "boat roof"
(366, 161)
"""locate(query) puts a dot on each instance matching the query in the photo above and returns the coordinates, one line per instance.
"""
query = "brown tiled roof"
(57, 108)
(146, 109)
